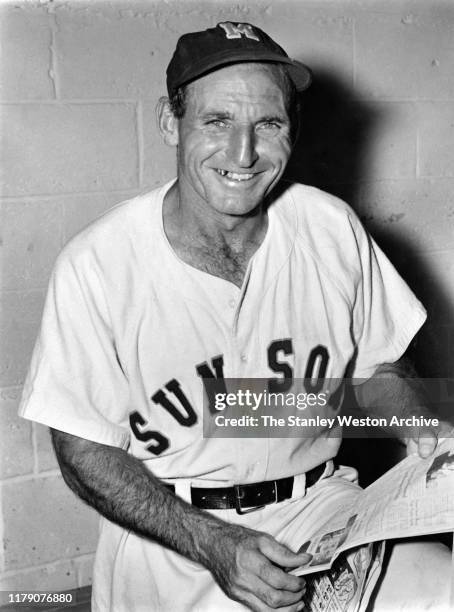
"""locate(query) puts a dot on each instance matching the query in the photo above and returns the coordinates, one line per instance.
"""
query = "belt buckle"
(239, 496)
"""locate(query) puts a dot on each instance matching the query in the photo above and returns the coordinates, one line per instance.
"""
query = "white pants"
(133, 574)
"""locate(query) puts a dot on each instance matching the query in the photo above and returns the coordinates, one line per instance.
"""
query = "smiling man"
(225, 272)
(234, 142)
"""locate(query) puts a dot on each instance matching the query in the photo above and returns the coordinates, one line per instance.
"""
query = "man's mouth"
(235, 176)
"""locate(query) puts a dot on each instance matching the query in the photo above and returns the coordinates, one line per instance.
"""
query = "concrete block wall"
(78, 86)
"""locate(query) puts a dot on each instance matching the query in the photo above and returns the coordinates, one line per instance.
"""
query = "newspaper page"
(348, 584)
(416, 497)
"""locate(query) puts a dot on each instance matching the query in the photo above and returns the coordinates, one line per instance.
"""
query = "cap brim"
(298, 72)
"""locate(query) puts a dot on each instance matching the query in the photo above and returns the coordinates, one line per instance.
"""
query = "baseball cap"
(199, 53)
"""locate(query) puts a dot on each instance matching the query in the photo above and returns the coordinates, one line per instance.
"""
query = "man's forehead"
(245, 79)
(226, 90)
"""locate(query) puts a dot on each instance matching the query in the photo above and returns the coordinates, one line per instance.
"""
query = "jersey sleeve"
(386, 313)
(75, 382)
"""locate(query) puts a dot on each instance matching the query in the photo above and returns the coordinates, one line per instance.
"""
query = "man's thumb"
(283, 556)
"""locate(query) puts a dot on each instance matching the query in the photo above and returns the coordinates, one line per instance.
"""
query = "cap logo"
(237, 31)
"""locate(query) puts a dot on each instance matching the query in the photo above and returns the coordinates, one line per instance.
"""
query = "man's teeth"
(234, 176)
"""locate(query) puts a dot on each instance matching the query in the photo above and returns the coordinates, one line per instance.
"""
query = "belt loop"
(299, 486)
(183, 489)
(329, 469)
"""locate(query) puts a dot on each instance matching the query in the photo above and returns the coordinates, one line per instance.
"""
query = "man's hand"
(424, 440)
(249, 567)
(393, 390)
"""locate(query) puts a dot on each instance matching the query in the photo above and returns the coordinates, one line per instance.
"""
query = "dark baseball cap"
(199, 53)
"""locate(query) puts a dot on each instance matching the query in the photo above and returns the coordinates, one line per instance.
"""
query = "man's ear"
(167, 122)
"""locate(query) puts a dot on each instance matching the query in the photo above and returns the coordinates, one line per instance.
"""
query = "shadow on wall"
(432, 351)
(335, 129)
(333, 153)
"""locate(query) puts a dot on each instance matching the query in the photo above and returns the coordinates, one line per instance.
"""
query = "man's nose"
(242, 147)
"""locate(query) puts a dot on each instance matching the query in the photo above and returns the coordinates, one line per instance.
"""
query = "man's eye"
(269, 125)
(217, 123)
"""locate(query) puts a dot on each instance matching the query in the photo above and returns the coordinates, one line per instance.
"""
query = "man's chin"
(242, 202)
(239, 208)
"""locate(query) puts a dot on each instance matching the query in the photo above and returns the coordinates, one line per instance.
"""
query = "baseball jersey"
(130, 331)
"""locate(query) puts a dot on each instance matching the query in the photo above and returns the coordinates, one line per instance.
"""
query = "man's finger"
(257, 605)
(423, 442)
(427, 443)
(281, 555)
(277, 598)
(280, 579)
(269, 597)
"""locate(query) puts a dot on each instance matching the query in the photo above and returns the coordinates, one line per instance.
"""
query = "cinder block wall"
(79, 84)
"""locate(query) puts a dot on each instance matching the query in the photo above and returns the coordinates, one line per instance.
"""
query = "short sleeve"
(75, 382)
(386, 313)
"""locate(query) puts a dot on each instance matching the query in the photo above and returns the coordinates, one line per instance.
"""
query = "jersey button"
(243, 358)
(232, 303)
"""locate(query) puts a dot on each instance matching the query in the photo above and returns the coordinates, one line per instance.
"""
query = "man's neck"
(219, 245)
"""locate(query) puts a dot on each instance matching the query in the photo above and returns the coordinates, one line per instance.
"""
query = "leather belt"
(249, 497)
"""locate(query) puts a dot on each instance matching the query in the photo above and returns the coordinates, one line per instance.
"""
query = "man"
(223, 273)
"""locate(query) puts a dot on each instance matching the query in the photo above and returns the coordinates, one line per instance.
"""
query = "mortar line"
(53, 59)
(2, 539)
(402, 179)
(25, 290)
(35, 449)
(379, 99)
(354, 75)
(75, 101)
(8, 388)
(140, 140)
(63, 229)
(33, 197)
(28, 568)
(432, 177)
(417, 153)
(28, 477)
(436, 251)
(78, 569)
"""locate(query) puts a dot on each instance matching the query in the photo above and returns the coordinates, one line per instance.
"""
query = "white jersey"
(129, 332)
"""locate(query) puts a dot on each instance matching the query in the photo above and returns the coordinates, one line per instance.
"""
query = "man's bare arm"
(244, 562)
(393, 390)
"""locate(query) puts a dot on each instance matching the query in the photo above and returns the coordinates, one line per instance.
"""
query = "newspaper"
(416, 497)
(348, 584)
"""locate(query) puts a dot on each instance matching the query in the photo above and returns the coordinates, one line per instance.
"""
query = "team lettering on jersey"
(173, 399)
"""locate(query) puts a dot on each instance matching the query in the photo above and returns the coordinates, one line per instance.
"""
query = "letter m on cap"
(238, 30)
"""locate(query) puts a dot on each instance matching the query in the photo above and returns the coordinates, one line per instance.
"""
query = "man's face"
(234, 140)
